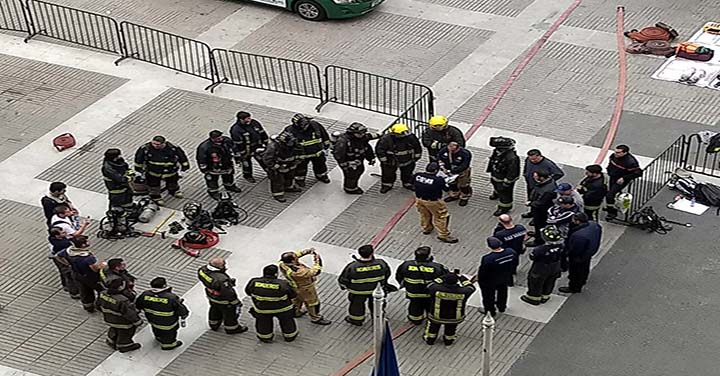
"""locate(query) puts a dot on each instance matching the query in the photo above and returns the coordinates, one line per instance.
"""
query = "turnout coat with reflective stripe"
(270, 295)
(415, 276)
(219, 287)
(118, 311)
(448, 302)
(361, 277)
(162, 308)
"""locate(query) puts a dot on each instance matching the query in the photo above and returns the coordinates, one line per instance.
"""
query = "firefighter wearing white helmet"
(439, 134)
(398, 149)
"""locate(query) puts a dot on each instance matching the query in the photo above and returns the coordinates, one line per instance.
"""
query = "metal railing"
(416, 117)
(656, 175)
(168, 50)
(698, 160)
(371, 92)
(412, 102)
(12, 16)
(73, 25)
(268, 73)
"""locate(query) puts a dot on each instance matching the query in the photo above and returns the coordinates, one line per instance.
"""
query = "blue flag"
(388, 361)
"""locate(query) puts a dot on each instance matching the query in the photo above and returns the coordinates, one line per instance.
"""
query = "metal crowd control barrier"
(268, 73)
(372, 92)
(416, 117)
(656, 175)
(74, 26)
(12, 16)
(168, 50)
(698, 160)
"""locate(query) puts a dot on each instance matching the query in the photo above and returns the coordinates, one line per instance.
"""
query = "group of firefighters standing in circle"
(434, 292)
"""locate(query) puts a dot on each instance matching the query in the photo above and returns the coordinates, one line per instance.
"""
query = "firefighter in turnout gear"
(504, 169)
(272, 297)
(360, 278)
(593, 189)
(414, 276)
(249, 136)
(448, 299)
(546, 267)
(164, 311)
(215, 160)
(455, 160)
(351, 150)
(220, 291)
(439, 134)
(159, 161)
(280, 160)
(116, 269)
(302, 278)
(121, 316)
(313, 141)
(398, 149)
(116, 174)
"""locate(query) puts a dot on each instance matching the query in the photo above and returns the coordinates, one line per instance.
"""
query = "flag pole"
(488, 330)
(378, 324)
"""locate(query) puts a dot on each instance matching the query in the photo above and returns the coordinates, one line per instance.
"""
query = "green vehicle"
(318, 10)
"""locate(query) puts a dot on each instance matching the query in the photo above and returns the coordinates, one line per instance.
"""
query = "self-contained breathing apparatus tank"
(116, 225)
(147, 208)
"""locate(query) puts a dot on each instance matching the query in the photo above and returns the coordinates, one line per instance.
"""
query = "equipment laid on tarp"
(697, 193)
(696, 61)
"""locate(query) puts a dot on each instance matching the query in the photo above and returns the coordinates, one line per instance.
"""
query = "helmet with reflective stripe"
(192, 210)
(357, 128)
(300, 121)
(400, 129)
(286, 139)
(551, 234)
(438, 122)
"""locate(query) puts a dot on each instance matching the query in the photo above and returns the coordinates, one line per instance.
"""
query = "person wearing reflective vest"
(504, 169)
(414, 276)
(448, 299)
(121, 315)
(302, 279)
(225, 307)
(397, 149)
(159, 161)
(313, 140)
(116, 175)
(280, 160)
(439, 134)
(272, 297)
(215, 160)
(163, 310)
(351, 150)
(360, 278)
(116, 268)
(546, 267)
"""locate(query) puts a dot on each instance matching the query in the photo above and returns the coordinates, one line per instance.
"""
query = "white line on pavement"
(238, 25)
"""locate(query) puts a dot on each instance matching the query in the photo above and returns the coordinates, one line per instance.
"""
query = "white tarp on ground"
(675, 67)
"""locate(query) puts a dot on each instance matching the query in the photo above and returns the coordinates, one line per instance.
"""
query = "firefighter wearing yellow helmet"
(398, 149)
(439, 134)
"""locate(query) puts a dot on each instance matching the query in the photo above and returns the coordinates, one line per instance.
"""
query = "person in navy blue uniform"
(495, 275)
(545, 269)
(455, 160)
(434, 214)
(581, 245)
(512, 236)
